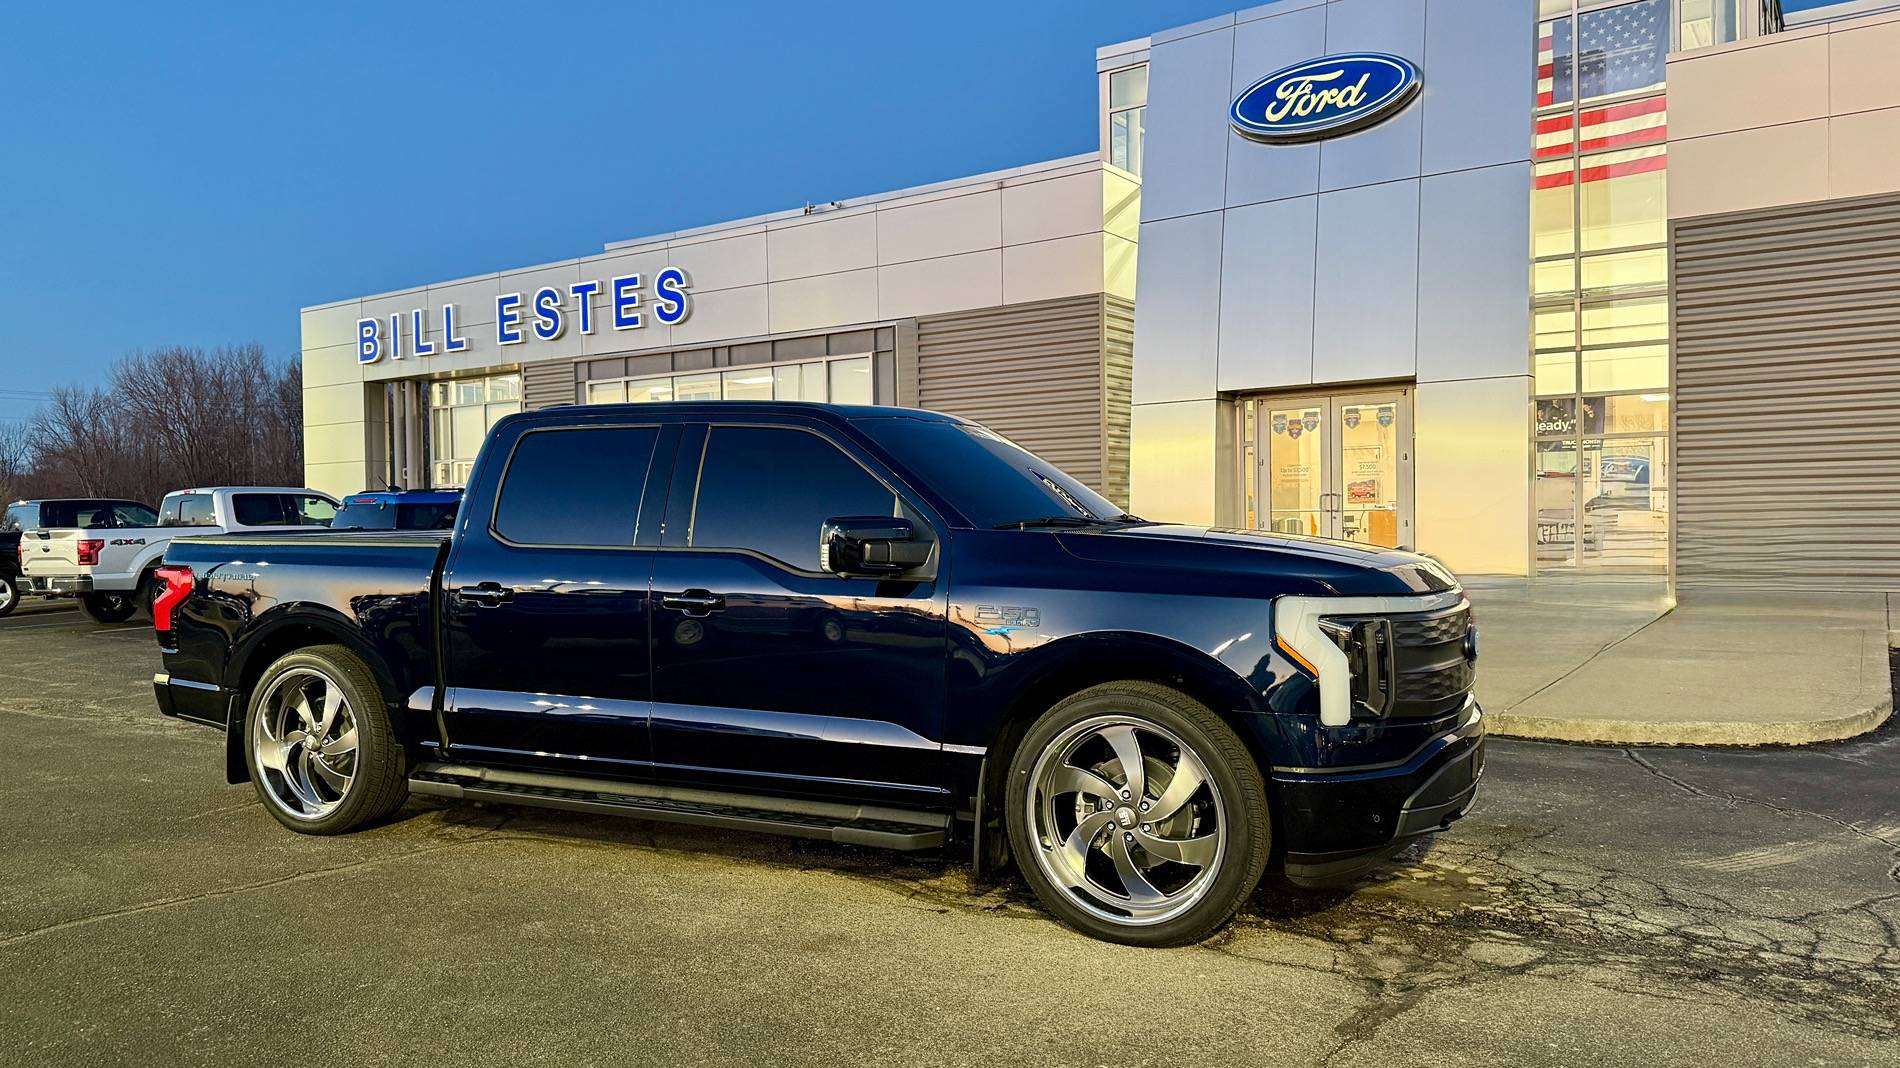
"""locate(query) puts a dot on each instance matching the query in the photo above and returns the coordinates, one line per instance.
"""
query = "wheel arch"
(1071, 665)
(279, 633)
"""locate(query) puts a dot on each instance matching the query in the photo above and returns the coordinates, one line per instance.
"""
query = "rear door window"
(281, 510)
(134, 515)
(86, 515)
(769, 489)
(22, 516)
(578, 487)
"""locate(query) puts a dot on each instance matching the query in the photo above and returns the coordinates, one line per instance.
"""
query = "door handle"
(693, 602)
(485, 594)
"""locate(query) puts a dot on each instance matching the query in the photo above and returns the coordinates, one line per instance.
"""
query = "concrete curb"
(1646, 732)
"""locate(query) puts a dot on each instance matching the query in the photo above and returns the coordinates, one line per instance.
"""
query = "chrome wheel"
(1127, 820)
(303, 736)
(7, 596)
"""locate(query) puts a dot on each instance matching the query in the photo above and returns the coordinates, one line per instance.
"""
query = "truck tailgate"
(53, 552)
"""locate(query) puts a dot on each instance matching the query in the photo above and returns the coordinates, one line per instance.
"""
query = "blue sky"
(197, 178)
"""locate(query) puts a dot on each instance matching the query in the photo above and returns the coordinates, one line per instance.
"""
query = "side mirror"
(870, 545)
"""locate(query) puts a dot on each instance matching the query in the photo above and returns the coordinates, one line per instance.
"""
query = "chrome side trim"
(967, 750)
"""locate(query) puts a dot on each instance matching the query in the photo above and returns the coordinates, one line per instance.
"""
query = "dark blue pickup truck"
(870, 625)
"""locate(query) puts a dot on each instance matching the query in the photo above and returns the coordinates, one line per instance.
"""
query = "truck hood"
(1289, 563)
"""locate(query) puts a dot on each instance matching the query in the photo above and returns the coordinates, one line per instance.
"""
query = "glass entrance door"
(1334, 466)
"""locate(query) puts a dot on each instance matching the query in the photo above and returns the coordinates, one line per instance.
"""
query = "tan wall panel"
(1471, 440)
(1861, 71)
(1735, 89)
(1176, 462)
(1864, 151)
(1748, 169)
(337, 479)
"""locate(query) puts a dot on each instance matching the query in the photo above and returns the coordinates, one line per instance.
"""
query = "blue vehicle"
(398, 510)
(869, 625)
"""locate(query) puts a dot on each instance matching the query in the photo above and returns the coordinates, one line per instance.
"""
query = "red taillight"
(175, 584)
(89, 551)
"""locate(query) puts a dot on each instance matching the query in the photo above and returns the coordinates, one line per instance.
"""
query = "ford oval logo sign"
(1324, 97)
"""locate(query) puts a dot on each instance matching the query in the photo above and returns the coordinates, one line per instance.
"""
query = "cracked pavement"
(1601, 907)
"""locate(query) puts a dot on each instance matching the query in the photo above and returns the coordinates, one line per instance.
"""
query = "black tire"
(378, 783)
(149, 589)
(9, 595)
(109, 607)
(1233, 793)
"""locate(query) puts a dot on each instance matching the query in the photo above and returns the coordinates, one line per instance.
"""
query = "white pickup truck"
(108, 554)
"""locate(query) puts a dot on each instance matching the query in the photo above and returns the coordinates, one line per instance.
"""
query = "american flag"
(1623, 50)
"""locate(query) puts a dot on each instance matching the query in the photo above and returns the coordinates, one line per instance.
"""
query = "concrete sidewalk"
(1607, 660)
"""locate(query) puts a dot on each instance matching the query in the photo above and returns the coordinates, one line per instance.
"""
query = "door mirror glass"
(870, 545)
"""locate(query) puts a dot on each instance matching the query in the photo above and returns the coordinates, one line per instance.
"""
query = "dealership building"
(1536, 286)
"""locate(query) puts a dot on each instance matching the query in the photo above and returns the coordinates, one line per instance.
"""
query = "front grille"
(1427, 660)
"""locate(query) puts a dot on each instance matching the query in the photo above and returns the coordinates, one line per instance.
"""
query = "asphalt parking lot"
(1601, 907)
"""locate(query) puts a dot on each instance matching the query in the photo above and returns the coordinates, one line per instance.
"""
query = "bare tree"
(173, 417)
(16, 460)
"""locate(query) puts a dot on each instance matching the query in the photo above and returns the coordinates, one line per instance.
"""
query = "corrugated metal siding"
(1032, 372)
(1787, 350)
(1119, 369)
(547, 383)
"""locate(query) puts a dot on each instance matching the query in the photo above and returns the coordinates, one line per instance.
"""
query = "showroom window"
(1600, 286)
(845, 380)
(460, 412)
(1127, 109)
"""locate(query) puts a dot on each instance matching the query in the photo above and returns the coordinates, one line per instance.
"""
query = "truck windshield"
(990, 479)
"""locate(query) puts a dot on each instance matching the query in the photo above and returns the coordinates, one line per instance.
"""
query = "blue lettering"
(419, 342)
(395, 337)
(508, 319)
(627, 302)
(548, 323)
(583, 300)
(669, 294)
(369, 345)
(450, 341)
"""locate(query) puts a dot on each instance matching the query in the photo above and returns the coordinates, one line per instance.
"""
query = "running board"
(863, 825)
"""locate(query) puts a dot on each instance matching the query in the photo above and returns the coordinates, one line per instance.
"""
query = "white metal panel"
(1365, 304)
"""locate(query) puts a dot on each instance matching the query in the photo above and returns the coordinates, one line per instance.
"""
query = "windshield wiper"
(1054, 521)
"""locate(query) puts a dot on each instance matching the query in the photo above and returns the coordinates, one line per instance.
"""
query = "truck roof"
(757, 407)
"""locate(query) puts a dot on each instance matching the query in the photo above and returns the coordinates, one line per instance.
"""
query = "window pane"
(1553, 278)
(441, 441)
(1553, 223)
(696, 387)
(1555, 327)
(1705, 23)
(469, 428)
(444, 475)
(576, 487)
(263, 509)
(1625, 503)
(498, 412)
(468, 391)
(1549, 36)
(769, 490)
(753, 383)
(1557, 417)
(438, 394)
(606, 392)
(1125, 139)
(1641, 413)
(1622, 50)
(652, 390)
(1555, 490)
(1624, 198)
(1552, 7)
(1556, 372)
(851, 381)
(1621, 272)
(1630, 367)
(1614, 322)
(134, 515)
(504, 388)
(1128, 88)
(811, 382)
(461, 469)
(313, 511)
(785, 384)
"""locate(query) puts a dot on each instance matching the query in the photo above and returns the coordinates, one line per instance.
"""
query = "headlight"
(1372, 654)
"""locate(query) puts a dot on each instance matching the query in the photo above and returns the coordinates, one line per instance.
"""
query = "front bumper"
(56, 585)
(1339, 822)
